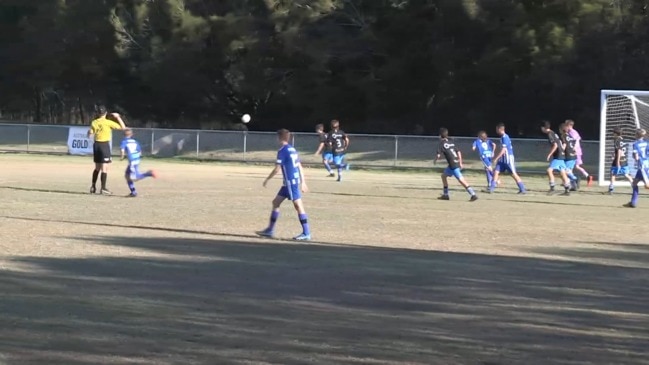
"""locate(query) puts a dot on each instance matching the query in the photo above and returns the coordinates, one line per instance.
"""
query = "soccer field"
(177, 276)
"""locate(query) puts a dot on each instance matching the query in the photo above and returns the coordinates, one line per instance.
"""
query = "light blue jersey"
(641, 153)
(133, 150)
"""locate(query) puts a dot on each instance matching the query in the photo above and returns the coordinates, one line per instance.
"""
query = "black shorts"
(101, 152)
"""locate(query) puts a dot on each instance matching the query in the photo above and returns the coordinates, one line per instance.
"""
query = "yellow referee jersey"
(102, 129)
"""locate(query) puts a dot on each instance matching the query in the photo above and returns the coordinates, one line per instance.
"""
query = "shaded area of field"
(177, 276)
(216, 301)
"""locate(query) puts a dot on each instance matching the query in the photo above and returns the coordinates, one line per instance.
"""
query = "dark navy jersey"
(338, 142)
(447, 149)
(324, 138)
(619, 150)
(570, 147)
(559, 153)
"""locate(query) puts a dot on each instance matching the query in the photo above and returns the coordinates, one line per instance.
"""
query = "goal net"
(628, 110)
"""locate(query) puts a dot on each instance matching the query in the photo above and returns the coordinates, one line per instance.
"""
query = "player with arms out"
(641, 156)
(102, 130)
(294, 185)
(131, 149)
(620, 165)
(454, 159)
(324, 147)
(557, 159)
(505, 161)
(572, 132)
(485, 148)
(339, 143)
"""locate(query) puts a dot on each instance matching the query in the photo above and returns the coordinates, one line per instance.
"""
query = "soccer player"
(339, 144)
(325, 148)
(485, 148)
(579, 163)
(454, 158)
(505, 161)
(570, 145)
(294, 185)
(102, 130)
(619, 166)
(131, 149)
(641, 156)
(557, 159)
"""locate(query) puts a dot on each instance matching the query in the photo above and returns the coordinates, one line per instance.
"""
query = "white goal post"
(629, 110)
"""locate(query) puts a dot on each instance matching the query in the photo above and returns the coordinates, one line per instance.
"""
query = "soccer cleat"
(106, 192)
(522, 192)
(552, 192)
(629, 205)
(340, 178)
(331, 174)
(303, 237)
(93, 190)
(473, 198)
(132, 195)
(444, 197)
(265, 233)
(566, 193)
(487, 191)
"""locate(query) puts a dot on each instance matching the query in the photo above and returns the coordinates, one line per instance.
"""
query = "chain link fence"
(378, 151)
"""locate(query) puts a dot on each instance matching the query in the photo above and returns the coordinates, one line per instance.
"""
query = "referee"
(102, 129)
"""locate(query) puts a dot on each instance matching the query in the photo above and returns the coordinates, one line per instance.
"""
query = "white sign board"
(78, 141)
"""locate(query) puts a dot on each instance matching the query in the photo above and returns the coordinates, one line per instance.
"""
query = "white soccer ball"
(245, 118)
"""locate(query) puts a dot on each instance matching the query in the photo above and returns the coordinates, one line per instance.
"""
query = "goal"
(629, 110)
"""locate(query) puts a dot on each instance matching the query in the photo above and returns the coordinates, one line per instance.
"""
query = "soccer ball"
(245, 118)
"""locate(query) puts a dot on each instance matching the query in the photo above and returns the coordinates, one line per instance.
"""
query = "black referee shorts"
(101, 152)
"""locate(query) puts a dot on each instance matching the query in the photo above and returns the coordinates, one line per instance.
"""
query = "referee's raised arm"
(102, 130)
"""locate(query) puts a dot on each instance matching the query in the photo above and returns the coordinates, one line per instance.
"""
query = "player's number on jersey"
(339, 143)
(131, 147)
(294, 159)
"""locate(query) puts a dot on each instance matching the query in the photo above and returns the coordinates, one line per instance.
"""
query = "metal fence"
(382, 151)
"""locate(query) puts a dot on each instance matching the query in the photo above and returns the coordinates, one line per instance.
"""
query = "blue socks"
(635, 195)
(273, 220)
(446, 190)
(521, 186)
(490, 177)
(131, 186)
(304, 221)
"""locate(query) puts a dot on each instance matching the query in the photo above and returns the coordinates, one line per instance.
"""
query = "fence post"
(29, 136)
(152, 140)
(245, 144)
(396, 150)
(198, 142)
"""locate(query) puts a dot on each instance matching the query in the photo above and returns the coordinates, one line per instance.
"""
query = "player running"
(454, 158)
(505, 161)
(557, 159)
(570, 145)
(619, 166)
(485, 148)
(102, 130)
(339, 142)
(570, 124)
(324, 147)
(294, 185)
(641, 156)
(131, 149)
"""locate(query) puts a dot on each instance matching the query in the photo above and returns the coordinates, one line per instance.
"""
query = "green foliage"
(378, 65)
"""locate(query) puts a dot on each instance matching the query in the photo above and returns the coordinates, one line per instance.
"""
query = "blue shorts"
(570, 164)
(453, 172)
(503, 165)
(290, 192)
(620, 171)
(642, 174)
(327, 156)
(486, 161)
(557, 165)
(339, 159)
